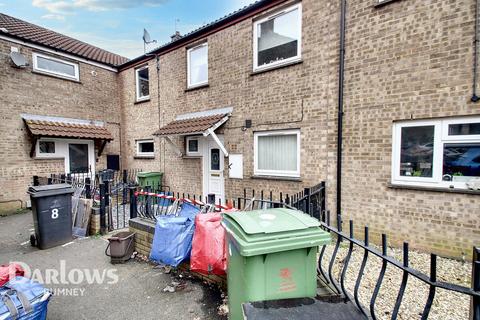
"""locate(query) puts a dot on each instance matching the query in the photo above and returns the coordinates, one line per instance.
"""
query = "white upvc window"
(78, 154)
(192, 144)
(142, 84)
(437, 153)
(54, 66)
(47, 148)
(145, 148)
(277, 39)
(277, 153)
(197, 65)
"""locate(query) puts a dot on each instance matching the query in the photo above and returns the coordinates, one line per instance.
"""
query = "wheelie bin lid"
(273, 230)
(49, 190)
(149, 174)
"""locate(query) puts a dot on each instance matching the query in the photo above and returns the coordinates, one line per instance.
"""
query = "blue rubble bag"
(23, 299)
(172, 241)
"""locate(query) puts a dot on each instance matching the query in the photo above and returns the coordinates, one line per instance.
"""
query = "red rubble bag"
(208, 246)
(8, 272)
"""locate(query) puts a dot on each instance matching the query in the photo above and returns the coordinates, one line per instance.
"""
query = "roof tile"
(67, 130)
(192, 125)
(30, 32)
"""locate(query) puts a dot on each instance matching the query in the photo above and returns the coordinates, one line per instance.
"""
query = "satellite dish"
(147, 40)
(18, 59)
(146, 36)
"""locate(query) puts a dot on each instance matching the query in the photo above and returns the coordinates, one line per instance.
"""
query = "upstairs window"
(277, 38)
(197, 65)
(437, 153)
(142, 83)
(54, 66)
(145, 148)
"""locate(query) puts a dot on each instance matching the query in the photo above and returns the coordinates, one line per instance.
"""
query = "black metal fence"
(150, 203)
(108, 189)
(430, 280)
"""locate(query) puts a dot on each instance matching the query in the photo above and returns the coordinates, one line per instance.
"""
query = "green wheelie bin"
(150, 179)
(271, 254)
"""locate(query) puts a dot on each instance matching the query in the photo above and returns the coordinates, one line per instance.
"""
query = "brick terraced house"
(256, 99)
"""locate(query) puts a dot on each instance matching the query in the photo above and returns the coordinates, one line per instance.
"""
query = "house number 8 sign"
(54, 213)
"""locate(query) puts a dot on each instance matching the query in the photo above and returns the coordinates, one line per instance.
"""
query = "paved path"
(137, 294)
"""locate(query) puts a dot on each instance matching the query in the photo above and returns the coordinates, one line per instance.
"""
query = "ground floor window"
(277, 153)
(193, 146)
(78, 154)
(145, 148)
(439, 152)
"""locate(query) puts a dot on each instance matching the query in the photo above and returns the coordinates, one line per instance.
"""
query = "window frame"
(277, 173)
(189, 51)
(36, 55)
(441, 138)
(41, 155)
(274, 15)
(144, 154)
(137, 84)
(189, 153)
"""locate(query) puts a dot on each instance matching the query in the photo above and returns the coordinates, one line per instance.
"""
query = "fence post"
(133, 203)
(88, 188)
(148, 200)
(36, 181)
(475, 307)
(124, 193)
(306, 193)
(103, 205)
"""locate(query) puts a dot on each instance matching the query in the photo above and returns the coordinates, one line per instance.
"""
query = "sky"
(117, 25)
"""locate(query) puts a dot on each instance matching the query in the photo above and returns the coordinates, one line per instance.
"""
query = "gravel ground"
(447, 305)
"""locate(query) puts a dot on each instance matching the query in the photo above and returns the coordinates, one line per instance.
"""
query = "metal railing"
(151, 202)
(109, 190)
(407, 272)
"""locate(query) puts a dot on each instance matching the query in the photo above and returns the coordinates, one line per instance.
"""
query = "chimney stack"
(176, 36)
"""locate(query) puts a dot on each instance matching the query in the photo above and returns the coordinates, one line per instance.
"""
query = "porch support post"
(102, 146)
(34, 145)
(211, 132)
(176, 149)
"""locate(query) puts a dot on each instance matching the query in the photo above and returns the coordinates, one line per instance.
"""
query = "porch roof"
(194, 125)
(42, 126)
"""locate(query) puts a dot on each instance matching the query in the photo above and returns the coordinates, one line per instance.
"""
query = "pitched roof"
(23, 30)
(190, 126)
(229, 19)
(45, 128)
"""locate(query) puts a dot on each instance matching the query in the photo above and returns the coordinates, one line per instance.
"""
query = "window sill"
(141, 101)
(48, 158)
(55, 76)
(144, 157)
(381, 4)
(193, 88)
(293, 179)
(280, 66)
(433, 189)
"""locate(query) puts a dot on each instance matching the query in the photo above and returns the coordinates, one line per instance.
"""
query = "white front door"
(213, 165)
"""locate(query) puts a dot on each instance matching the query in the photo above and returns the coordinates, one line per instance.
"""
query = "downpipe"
(475, 97)
(341, 75)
